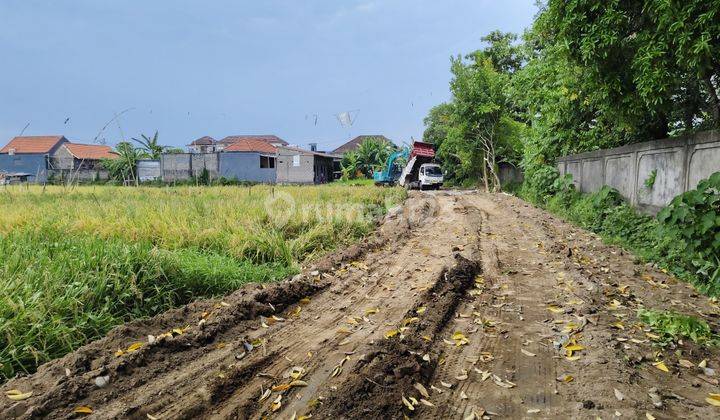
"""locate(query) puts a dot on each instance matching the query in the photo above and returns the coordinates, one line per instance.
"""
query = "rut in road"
(463, 305)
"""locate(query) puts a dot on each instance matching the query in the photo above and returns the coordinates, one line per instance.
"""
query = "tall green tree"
(656, 62)
(437, 124)
(480, 111)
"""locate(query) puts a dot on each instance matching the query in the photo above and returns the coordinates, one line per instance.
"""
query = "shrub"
(542, 181)
(694, 217)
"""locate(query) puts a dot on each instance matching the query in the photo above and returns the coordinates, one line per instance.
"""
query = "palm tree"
(372, 154)
(123, 167)
(150, 145)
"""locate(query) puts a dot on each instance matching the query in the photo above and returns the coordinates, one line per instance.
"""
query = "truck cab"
(420, 171)
(430, 176)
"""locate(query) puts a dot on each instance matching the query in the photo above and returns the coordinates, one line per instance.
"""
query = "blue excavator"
(392, 169)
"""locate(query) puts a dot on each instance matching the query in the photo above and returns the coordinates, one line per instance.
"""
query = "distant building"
(204, 144)
(30, 155)
(355, 143)
(251, 160)
(46, 157)
(299, 166)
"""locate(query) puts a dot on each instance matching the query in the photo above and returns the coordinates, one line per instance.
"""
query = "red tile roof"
(90, 151)
(251, 146)
(32, 144)
(268, 138)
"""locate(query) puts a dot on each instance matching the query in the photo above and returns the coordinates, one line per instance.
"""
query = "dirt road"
(495, 308)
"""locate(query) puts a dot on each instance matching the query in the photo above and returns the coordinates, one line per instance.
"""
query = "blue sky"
(194, 68)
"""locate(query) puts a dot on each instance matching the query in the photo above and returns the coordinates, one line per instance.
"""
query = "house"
(268, 138)
(299, 166)
(251, 160)
(205, 144)
(46, 157)
(355, 143)
(81, 162)
(30, 154)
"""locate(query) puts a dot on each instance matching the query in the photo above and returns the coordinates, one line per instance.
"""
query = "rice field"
(76, 262)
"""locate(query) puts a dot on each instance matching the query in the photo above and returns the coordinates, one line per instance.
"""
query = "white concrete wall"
(680, 163)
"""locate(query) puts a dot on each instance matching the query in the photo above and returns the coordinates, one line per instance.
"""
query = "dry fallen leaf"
(421, 310)
(134, 347)
(463, 395)
(407, 403)
(264, 395)
(83, 409)
(686, 363)
(661, 365)
(462, 376)
(649, 416)
(17, 395)
(619, 395)
(713, 399)
(281, 388)
(297, 383)
(426, 402)
(276, 404)
(391, 333)
(565, 378)
(421, 389)
(527, 353)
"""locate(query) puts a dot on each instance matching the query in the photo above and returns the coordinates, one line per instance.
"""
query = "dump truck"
(420, 171)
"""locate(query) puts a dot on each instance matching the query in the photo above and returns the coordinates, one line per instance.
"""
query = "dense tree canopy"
(588, 74)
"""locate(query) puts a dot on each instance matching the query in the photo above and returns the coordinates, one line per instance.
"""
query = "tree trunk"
(485, 178)
(713, 99)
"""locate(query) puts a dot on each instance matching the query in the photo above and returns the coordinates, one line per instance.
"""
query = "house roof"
(32, 144)
(268, 138)
(355, 143)
(251, 145)
(203, 141)
(308, 152)
(90, 151)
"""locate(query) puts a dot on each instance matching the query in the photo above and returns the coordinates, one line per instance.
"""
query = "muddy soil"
(462, 305)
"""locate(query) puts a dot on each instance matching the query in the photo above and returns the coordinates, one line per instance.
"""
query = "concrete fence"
(650, 174)
(183, 166)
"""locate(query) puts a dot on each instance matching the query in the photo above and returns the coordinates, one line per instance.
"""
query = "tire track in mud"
(378, 383)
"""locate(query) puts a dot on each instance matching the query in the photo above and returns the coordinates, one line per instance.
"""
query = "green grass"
(671, 327)
(78, 262)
